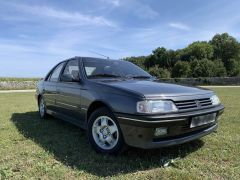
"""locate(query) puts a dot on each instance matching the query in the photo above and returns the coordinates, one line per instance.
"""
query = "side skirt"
(66, 118)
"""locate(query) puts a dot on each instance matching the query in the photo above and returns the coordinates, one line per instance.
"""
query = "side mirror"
(66, 78)
(74, 77)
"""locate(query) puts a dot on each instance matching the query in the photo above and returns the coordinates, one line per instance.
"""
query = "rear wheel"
(42, 108)
(104, 132)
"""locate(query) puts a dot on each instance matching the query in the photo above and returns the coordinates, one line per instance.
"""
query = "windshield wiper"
(139, 77)
(104, 75)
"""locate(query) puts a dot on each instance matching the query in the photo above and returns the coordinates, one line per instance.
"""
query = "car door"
(69, 93)
(50, 88)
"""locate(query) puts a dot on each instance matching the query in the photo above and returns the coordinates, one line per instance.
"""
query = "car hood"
(151, 89)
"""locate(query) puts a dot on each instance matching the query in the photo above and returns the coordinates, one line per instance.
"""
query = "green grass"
(53, 149)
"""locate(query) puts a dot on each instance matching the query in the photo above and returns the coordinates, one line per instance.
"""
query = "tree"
(218, 57)
(150, 61)
(219, 69)
(233, 67)
(202, 68)
(181, 69)
(159, 72)
(225, 47)
(163, 58)
(196, 70)
(139, 61)
(197, 50)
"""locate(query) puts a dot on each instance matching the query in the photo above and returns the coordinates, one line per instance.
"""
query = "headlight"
(215, 100)
(156, 106)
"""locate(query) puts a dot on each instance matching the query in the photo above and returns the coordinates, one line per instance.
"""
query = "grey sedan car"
(120, 104)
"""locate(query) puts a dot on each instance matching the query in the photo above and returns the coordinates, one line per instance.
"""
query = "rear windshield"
(97, 68)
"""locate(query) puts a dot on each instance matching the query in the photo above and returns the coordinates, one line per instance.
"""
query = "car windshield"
(100, 68)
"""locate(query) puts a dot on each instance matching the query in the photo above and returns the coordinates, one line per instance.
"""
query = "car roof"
(85, 57)
(93, 58)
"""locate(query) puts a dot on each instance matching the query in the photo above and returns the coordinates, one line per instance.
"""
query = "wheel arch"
(96, 105)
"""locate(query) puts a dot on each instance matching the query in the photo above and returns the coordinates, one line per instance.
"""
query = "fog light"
(160, 131)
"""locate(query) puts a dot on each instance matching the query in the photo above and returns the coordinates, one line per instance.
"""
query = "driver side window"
(71, 69)
(56, 72)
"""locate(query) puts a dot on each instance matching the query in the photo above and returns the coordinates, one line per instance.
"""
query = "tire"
(104, 133)
(42, 108)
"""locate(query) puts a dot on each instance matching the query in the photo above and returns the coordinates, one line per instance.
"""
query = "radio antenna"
(99, 54)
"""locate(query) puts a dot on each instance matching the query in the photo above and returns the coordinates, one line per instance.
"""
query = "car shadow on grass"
(69, 145)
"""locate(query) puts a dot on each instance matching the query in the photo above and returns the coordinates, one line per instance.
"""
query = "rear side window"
(71, 67)
(56, 72)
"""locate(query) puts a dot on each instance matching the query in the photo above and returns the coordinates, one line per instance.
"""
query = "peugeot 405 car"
(119, 104)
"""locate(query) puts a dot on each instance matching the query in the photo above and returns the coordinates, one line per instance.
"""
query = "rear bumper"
(138, 131)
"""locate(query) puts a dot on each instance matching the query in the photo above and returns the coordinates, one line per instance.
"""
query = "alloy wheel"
(42, 108)
(105, 132)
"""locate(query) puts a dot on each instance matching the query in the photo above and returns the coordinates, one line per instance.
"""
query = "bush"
(219, 69)
(202, 68)
(195, 68)
(233, 67)
(159, 72)
(181, 69)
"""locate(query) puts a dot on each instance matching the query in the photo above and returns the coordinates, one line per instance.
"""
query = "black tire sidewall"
(120, 144)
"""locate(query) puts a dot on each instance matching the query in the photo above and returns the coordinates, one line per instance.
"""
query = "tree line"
(219, 57)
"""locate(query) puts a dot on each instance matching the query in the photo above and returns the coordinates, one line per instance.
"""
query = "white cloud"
(68, 18)
(180, 26)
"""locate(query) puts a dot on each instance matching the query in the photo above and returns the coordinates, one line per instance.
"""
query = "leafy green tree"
(139, 61)
(181, 69)
(162, 57)
(150, 61)
(219, 69)
(196, 70)
(225, 47)
(159, 72)
(233, 67)
(202, 68)
(218, 57)
(197, 50)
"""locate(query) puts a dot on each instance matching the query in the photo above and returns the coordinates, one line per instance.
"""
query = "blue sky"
(35, 35)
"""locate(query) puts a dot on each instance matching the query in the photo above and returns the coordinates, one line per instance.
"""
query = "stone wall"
(18, 84)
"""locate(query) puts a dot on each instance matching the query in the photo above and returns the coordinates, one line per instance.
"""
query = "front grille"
(193, 104)
(205, 102)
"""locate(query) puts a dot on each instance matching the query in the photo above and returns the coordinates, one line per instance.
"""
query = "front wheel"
(104, 132)
(42, 108)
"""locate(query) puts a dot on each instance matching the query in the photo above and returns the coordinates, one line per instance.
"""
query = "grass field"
(52, 149)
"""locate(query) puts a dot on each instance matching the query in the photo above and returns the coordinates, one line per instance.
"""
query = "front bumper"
(138, 131)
